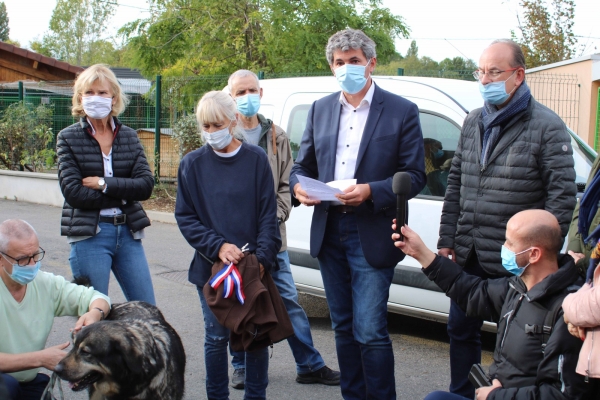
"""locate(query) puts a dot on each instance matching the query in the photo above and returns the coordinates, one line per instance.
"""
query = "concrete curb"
(161, 216)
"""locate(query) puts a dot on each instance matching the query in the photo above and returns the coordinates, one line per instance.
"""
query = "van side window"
(440, 138)
(296, 125)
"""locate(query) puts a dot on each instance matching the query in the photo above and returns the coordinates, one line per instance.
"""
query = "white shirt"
(108, 171)
(352, 126)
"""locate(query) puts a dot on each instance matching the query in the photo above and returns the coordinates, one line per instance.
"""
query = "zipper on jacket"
(587, 372)
(511, 317)
(561, 361)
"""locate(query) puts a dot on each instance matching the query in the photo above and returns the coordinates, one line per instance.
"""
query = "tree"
(77, 30)
(4, 30)
(413, 50)
(207, 37)
(546, 36)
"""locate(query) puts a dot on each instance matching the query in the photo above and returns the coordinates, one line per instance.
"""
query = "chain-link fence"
(560, 93)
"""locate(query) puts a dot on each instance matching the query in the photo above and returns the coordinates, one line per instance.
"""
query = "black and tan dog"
(133, 354)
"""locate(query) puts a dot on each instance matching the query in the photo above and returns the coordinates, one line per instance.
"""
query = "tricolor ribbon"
(231, 278)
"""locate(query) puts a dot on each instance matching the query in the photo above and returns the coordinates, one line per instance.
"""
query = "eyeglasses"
(494, 73)
(24, 261)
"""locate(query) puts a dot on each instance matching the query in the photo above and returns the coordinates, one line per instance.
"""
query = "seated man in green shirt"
(29, 301)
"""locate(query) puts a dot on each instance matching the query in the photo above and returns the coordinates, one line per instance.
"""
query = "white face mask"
(96, 107)
(218, 140)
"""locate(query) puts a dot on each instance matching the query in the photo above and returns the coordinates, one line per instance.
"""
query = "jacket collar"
(85, 125)
(375, 110)
(566, 276)
(265, 124)
(507, 137)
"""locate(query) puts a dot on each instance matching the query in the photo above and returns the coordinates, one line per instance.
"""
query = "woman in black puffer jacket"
(103, 174)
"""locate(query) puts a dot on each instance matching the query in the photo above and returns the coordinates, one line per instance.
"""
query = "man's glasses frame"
(479, 74)
(24, 261)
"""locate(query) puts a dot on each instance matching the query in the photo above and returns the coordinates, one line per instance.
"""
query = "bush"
(187, 134)
(25, 137)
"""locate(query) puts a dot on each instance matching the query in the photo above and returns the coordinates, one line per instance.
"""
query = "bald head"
(14, 229)
(536, 228)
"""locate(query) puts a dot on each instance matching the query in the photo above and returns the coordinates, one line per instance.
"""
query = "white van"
(443, 106)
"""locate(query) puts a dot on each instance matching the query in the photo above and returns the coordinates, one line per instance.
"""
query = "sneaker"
(237, 380)
(325, 375)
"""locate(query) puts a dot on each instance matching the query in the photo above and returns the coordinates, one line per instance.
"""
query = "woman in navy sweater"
(225, 200)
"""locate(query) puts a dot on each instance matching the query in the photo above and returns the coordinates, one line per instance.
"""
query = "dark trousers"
(357, 296)
(465, 338)
(25, 390)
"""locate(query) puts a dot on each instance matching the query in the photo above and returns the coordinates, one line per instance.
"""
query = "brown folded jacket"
(262, 320)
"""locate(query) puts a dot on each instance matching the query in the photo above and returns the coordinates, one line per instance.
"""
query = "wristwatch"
(101, 183)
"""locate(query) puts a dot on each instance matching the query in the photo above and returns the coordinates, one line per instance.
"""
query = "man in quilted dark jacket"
(513, 154)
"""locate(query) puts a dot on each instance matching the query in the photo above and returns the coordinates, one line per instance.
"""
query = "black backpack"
(553, 312)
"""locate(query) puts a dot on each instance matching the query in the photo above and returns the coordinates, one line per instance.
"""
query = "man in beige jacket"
(258, 130)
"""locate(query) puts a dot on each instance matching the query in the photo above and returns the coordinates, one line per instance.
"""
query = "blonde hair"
(217, 106)
(102, 73)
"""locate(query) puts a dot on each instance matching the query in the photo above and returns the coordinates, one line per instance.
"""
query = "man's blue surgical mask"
(495, 92)
(218, 140)
(248, 105)
(24, 275)
(351, 78)
(438, 154)
(509, 261)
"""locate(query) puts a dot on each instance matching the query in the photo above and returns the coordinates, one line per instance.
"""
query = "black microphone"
(401, 187)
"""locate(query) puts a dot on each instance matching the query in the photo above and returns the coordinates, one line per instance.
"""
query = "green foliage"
(546, 36)
(76, 31)
(25, 137)
(413, 50)
(217, 37)
(454, 68)
(4, 29)
(187, 135)
(41, 48)
(13, 42)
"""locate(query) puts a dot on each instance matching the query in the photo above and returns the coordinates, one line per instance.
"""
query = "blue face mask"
(438, 154)
(248, 105)
(495, 92)
(218, 140)
(509, 261)
(351, 78)
(24, 275)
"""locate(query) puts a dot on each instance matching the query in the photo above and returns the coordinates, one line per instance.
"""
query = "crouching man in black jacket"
(523, 367)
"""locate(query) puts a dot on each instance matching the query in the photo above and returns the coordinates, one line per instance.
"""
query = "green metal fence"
(596, 144)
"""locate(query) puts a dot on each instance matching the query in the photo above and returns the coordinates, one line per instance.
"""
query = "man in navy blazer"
(368, 134)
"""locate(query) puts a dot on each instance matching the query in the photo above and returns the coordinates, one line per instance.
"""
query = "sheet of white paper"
(318, 190)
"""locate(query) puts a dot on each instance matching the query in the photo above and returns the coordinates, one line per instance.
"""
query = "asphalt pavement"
(420, 347)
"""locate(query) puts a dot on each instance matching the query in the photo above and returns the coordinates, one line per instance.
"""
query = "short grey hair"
(242, 73)
(350, 39)
(12, 229)
(518, 60)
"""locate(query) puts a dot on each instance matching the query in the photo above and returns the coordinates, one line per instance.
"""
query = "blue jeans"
(439, 395)
(114, 248)
(465, 338)
(307, 357)
(216, 338)
(357, 296)
(26, 390)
